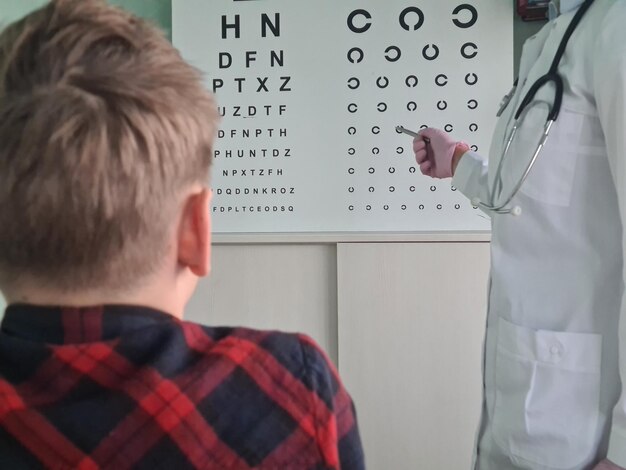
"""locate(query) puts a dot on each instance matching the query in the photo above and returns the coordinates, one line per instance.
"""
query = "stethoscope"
(554, 77)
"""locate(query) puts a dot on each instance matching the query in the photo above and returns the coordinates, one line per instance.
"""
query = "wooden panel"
(411, 320)
(289, 288)
(346, 237)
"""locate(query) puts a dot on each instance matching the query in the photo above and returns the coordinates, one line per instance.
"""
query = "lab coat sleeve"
(470, 176)
(609, 87)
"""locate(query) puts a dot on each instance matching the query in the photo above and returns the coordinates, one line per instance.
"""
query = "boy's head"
(105, 148)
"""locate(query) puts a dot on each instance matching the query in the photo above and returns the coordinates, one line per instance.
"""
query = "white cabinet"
(411, 320)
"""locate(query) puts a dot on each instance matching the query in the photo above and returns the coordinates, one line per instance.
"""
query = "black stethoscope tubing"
(552, 76)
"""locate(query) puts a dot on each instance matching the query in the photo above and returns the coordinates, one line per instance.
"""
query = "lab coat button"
(556, 350)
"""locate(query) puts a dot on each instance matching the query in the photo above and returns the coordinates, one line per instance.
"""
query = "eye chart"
(310, 93)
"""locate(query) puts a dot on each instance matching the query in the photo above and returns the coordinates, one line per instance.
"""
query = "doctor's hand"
(607, 465)
(436, 153)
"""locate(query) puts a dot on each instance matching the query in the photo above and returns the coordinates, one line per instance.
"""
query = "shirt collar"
(59, 325)
(563, 6)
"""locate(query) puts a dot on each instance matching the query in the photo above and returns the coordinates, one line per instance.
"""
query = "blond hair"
(102, 126)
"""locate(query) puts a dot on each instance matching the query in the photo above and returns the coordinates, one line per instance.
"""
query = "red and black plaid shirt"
(128, 387)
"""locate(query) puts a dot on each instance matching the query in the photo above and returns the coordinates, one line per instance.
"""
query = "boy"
(105, 146)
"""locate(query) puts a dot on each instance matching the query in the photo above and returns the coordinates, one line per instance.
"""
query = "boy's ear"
(194, 236)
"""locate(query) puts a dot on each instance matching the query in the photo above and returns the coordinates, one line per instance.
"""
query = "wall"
(158, 11)
(403, 321)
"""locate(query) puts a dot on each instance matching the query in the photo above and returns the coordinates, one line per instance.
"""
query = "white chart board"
(311, 91)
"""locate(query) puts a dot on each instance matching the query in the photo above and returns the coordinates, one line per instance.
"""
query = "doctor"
(553, 368)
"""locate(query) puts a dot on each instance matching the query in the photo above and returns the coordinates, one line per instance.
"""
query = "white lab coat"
(552, 365)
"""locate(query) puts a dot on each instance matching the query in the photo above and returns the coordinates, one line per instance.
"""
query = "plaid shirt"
(128, 387)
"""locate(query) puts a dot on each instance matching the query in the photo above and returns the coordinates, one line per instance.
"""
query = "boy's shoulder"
(278, 359)
(296, 353)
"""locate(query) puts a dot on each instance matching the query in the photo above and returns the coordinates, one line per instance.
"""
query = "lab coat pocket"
(547, 396)
(551, 179)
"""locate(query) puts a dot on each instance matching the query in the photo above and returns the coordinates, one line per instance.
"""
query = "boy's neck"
(147, 297)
